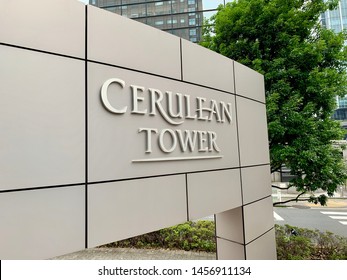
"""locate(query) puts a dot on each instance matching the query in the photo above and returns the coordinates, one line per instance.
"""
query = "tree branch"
(293, 199)
(276, 169)
(277, 187)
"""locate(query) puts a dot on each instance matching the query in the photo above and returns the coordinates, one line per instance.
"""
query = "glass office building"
(341, 111)
(183, 18)
(336, 20)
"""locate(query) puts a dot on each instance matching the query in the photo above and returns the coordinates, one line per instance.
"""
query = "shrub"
(292, 243)
(198, 236)
(306, 244)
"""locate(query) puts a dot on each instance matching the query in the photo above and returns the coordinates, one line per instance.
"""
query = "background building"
(183, 18)
(336, 20)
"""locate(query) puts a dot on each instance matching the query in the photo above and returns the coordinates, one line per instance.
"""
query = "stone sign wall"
(111, 129)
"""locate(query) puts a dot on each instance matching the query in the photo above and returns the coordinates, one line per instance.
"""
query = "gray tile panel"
(41, 224)
(213, 192)
(253, 135)
(56, 26)
(229, 250)
(249, 83)
(116, 40)
(263, 248)
(124, 209)
(258, 218)
(42, 119)
(256, 183)
(229, 225)
(205, 67)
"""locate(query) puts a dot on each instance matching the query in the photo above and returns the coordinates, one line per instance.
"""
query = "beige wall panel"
(115, 141)
(128, 208)
(249, 83)
(256, 183)
(41, 224)
(229, 225)
(116, 40)
(253, 136)
(42, 120)
(227, 250)
(263, 248)
(56, 26)
(200, 66)
(258, 218)
(213, 192)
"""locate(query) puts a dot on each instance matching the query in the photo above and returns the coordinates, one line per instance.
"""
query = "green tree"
(304, 66)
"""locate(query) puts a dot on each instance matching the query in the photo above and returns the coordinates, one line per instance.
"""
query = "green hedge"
(308, 244)
(198, 236)
(300, 244)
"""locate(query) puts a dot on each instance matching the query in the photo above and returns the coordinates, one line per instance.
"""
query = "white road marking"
(339, 216)
(333, 213)
(278, 217)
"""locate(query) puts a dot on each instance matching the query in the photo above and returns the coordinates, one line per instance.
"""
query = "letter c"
(104, 97)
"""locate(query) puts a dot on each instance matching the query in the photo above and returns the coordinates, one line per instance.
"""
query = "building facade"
(336, 20)
(183, 18)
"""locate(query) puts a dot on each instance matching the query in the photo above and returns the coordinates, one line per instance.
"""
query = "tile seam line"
(162, 175)
(245, 244)
(43, 188)
(267, 231)
(229, 240)
(42, 51)
(126, 179)
(86, 126)
(153, 176)
(128, 68)
(160, 76)
(181, 58)
(257, 200)
(215, 235)
(251, 99)
(187, 195)
(240, 170)
(255, 165)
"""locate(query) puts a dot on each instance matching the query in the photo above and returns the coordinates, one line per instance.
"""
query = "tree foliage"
(304, 66)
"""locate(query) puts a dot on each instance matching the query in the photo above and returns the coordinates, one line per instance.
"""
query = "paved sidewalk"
(332, 203)
(136, 254)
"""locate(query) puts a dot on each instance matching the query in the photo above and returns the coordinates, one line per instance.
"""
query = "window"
(192, 32)
(192, 21)
(159, 22)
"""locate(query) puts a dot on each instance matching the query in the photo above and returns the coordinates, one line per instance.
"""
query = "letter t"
(148, 132)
